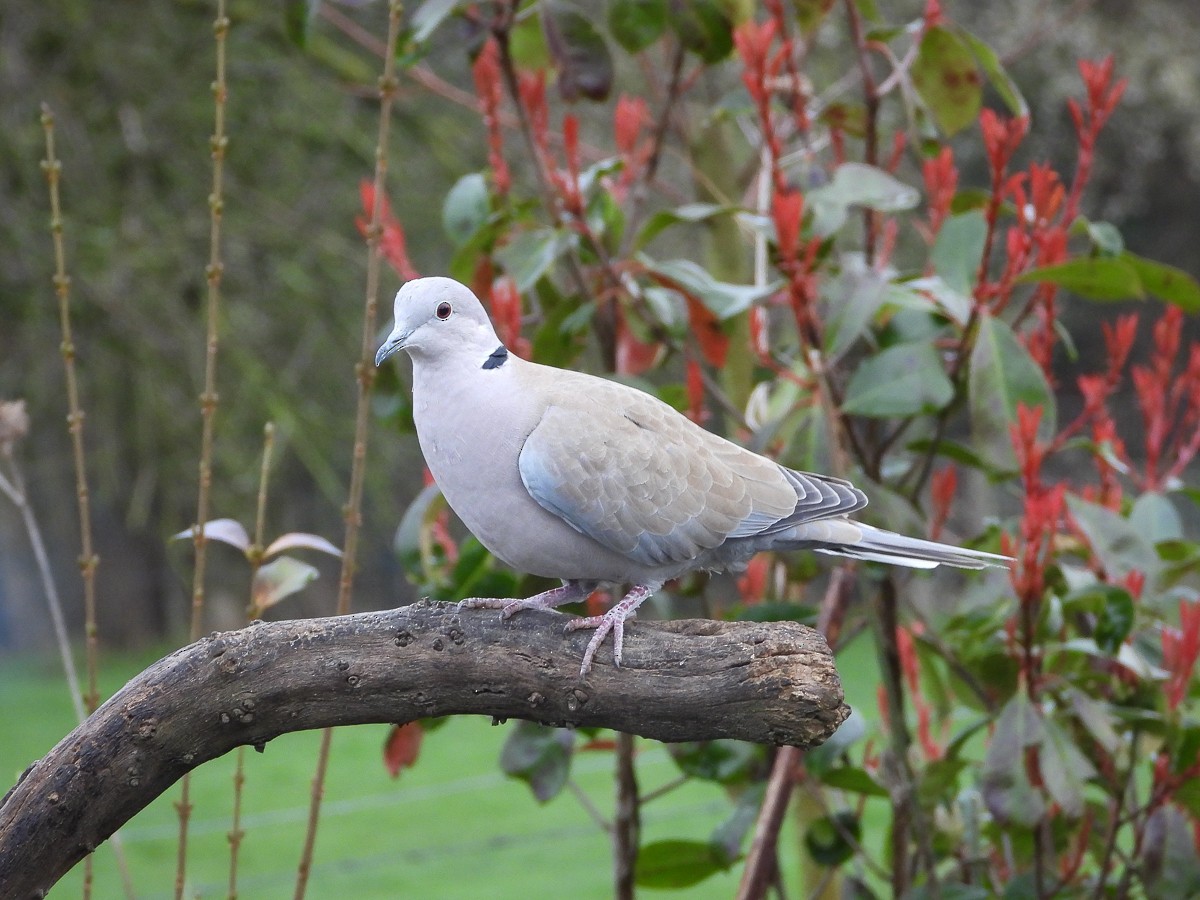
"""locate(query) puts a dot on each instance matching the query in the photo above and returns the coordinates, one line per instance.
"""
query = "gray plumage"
(574, 477)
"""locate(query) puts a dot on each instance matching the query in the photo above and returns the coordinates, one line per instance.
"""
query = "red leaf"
(600, 744)
(392, 245)
(714, 343)
(633, 356)
(402, 747)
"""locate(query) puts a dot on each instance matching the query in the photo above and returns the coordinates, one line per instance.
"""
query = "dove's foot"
(570, 592)
(612, 621)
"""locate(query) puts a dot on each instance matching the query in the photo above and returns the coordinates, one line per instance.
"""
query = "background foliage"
(866, 239)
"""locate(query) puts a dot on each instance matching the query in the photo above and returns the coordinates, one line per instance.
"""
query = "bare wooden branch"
(680, 681)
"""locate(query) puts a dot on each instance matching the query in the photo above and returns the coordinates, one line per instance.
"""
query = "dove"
(594, 483)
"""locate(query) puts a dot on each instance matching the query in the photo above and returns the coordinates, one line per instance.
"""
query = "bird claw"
(612, 622)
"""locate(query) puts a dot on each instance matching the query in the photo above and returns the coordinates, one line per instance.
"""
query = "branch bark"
(680, 681)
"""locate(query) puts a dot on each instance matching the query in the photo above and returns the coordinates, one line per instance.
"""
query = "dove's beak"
(391, 345)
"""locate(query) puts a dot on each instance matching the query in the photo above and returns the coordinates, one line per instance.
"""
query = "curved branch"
(681, 681)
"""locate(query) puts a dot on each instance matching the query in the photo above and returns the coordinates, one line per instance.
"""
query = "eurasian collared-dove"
(592, 482)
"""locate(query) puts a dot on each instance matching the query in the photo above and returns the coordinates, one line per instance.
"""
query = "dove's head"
(438, 317)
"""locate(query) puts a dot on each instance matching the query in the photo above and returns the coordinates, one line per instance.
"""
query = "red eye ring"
(443, 310)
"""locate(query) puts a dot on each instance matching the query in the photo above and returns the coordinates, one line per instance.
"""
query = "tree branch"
(681, 681)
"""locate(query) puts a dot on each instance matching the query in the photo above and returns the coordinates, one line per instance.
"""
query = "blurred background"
(129, 85)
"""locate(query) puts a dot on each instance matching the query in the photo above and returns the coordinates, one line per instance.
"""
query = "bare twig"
(208, 399)
(627, 824)
(239, 776)
(88, 560)
(365, 372)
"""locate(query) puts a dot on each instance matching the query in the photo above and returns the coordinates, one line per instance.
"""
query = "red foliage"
(489, 88)
(1181, 649)
(752, 584)
(402, 747)
(505, 301)
(706, 328)
(694, 381)
(633, 356)
(392, 245)
(941, 182)
(942, 487)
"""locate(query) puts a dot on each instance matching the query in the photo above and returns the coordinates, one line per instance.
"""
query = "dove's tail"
(858, 541)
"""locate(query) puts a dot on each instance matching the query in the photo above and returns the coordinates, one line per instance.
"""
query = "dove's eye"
(443, 310)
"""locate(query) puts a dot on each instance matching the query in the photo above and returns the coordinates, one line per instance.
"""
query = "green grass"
(452, 826)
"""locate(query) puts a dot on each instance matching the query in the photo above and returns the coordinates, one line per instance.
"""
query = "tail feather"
(866, 542)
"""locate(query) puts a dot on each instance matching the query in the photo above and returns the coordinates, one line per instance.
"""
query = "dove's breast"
(471, 429)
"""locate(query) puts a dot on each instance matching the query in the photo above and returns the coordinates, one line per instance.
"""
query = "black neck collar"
(498, 358)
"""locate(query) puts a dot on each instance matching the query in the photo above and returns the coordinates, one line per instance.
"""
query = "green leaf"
(703, 27)
(585, 68)
(1115, 622)
(281, 577)
(949, 302)
(724, 761)
(407, 542)
(1154, 517)
(903, 380)
(850, 300)
(1093, 277)
(947, 79)
(1166, 282)
(1096, 718)
(676, 864)
(532, 254)
(1003, 375)
(466, 208)
(855, 780)
(1169, 862)
(687, 213)
(1007, 791)
(527, 43)
(1064, 768)
(958, 249)
(939, 781)
(727, 838)
(428, 16)
(636, 24)
(960, 453)
(997, 74)
(1114, 539)
(540, 756)
(856, 184)
(298, 16)
(723, 299)
(826, 838)
(1104, 235)
(227, 531)
(809, 13)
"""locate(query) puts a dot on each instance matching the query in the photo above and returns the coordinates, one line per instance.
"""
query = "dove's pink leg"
(614, 621)
(570, 592)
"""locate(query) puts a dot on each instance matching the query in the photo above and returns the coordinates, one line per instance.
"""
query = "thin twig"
(208, 399)
(88, 560)
(761, 865)
(627, 824)
(588, 806)
(365, 373)
(236, 834)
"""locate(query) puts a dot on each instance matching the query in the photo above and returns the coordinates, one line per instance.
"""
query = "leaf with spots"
(947, 78)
